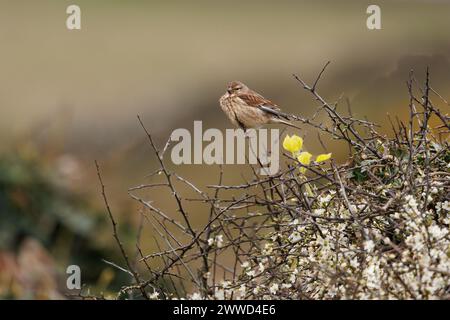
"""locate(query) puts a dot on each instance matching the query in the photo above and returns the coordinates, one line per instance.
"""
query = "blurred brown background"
(69, 97)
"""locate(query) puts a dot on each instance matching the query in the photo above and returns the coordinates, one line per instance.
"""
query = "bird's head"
(235, 87)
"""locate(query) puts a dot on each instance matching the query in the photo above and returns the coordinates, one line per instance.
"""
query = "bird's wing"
(258, 101)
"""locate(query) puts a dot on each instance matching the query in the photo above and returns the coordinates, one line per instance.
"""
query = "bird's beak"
(229, 91)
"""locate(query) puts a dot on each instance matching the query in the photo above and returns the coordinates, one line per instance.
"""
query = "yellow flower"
(323, 157)
(305, 159)
(292, 144)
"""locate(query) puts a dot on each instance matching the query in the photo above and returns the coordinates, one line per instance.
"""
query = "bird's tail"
(278, 116)
(277, 120)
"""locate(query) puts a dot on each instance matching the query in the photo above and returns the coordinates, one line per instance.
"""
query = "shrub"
(376, 227)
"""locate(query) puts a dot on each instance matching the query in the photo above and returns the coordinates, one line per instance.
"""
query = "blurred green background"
(69, 97)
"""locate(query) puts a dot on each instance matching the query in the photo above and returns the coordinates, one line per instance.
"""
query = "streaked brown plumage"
(248, 109)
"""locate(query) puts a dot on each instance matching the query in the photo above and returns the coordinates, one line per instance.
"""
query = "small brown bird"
(248, 109)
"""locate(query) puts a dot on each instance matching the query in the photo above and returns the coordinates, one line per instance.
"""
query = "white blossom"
(273, 289)
(369, 246)
(154, 295)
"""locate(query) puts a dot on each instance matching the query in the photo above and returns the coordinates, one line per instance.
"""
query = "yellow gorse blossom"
(292, 144)
(323, 157)
(305, 159)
